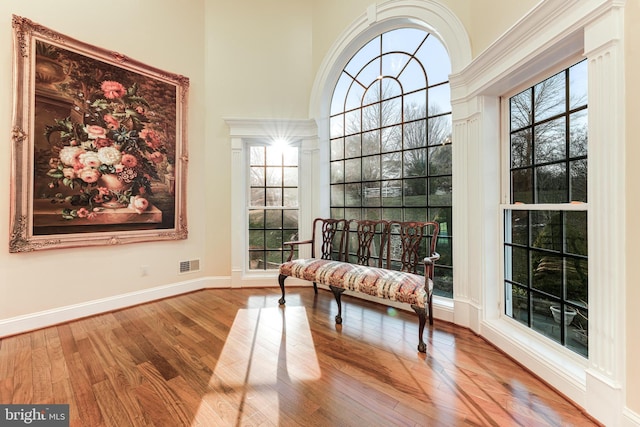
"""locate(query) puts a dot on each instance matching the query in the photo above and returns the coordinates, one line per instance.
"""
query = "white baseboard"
(42, 319)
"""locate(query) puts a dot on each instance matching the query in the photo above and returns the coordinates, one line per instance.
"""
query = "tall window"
(273, 203)
(391, 137)
(545, 244)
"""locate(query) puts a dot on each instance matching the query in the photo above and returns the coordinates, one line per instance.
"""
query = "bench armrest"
(429, 264)
(293, 244)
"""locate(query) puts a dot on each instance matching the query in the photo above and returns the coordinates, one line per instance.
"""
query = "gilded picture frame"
(99, 145)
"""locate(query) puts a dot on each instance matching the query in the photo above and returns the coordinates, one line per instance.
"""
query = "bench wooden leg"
(281, 278)
(337, 292)
(422, 320)
(430, 304)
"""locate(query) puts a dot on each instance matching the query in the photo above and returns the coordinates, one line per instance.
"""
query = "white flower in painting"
(69, 155)
(90, 159)
(109, 155)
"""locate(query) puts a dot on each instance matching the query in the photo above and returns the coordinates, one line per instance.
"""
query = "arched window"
(390, 137)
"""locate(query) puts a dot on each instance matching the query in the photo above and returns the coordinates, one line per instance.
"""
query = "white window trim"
(551, 32)
(241, 132)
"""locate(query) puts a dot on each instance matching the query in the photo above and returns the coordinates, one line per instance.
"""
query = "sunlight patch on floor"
(264, 346)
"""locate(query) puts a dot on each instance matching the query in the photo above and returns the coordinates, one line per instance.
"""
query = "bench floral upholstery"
(378, 282)
(360, 255)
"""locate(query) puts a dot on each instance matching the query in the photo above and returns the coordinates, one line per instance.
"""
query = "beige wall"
(632, 71)
(162, 33)
(258, 61)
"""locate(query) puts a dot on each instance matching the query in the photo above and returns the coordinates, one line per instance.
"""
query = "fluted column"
(607, 263)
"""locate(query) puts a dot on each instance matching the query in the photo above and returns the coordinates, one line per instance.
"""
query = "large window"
(545, 221)
(273, 203)
(391, 137)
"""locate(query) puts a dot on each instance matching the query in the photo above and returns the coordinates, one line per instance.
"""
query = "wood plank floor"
(235, 358)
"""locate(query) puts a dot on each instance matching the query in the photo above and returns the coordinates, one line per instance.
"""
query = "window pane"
(274, 196)
(415, 105)
(256, 155)
(440, 160)
(337, 172)
(439, 130)
(520, 107)
(273, 219)
(578, 85)
(290, 197)
(415, 163)
(353, 170)
(257, 197)
(550, 141)
(415, 192)
(391, 166)
(257, 176)
(576, 233)
(520, 266)
(371, 142)
(435, 59)
(256, 218)
(415, 134)
(337, 149)
(521, 186)
(444, 217)
(439, 99)
(353, 194)
(391, 112)
(372, 193)
(352, 146)
(413, 77)
(520, 227)
(521, 148)
(546, 230)
(290, 218)
(440, 191)
(551, 183)
(549, 97)
(547, 273)
(337, 195)
(371, 168)
(578, 134)
(578, 180)
(290, 177)
(392, 139)
(391, 193)
(274, 176)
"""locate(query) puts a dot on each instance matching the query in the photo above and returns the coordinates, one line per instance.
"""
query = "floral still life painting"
(101, 156)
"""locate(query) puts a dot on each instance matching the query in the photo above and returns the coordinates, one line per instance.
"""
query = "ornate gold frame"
(55, 205)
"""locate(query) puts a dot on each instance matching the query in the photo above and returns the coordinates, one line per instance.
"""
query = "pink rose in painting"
(151, 138)
(96, 132)
(138, 204)
(103, 142)
(111, 122)
(89, 175)
(112, 90)
(83, 213)
(129, 160)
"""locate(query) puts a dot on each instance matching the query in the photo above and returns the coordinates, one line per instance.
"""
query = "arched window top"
(391, 64)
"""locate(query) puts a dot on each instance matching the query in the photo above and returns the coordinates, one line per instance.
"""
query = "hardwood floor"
(233, 357)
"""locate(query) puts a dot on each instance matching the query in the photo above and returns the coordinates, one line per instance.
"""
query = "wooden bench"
(377, 258)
